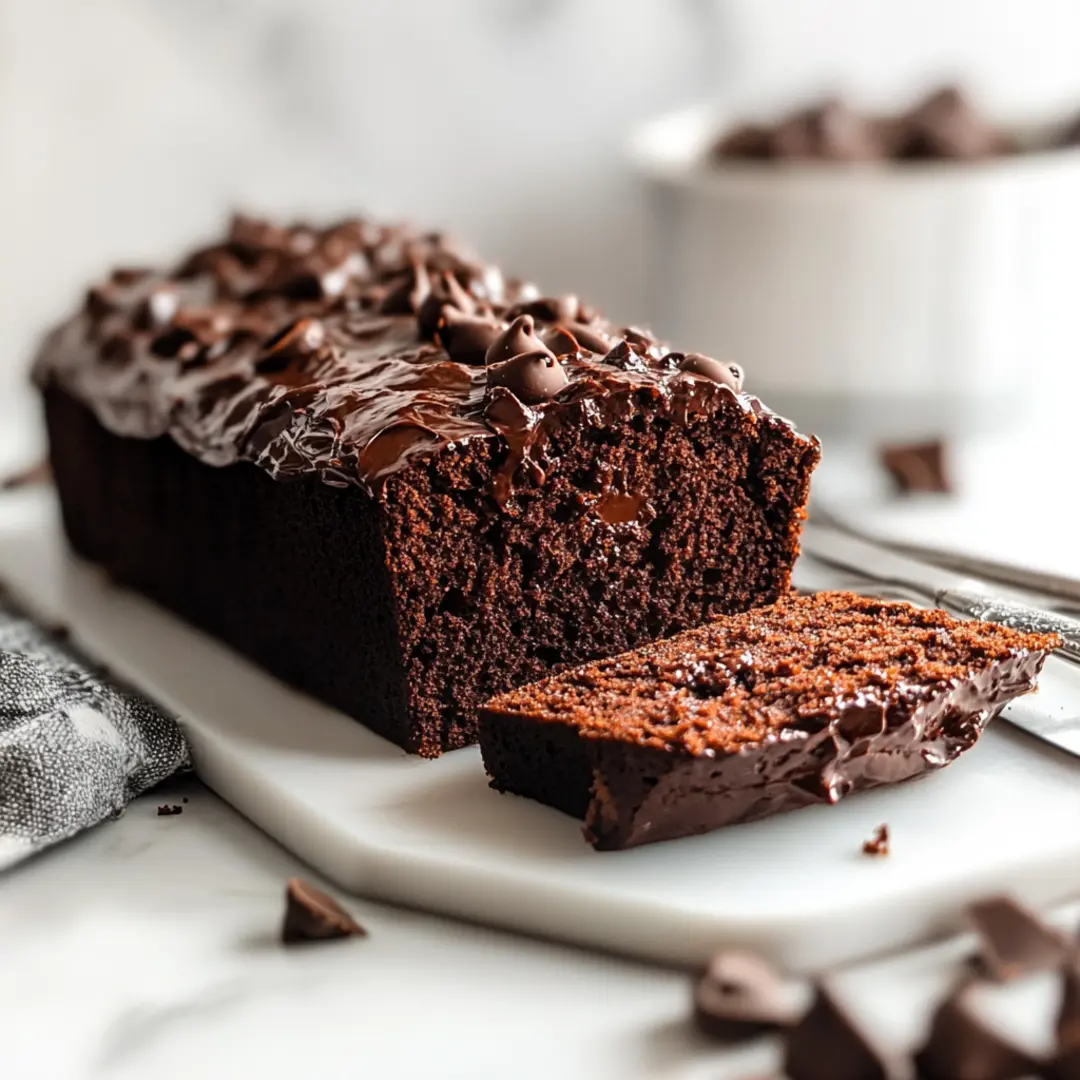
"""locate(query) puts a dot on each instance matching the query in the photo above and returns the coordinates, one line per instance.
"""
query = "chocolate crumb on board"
(878, 844)
(184, 799)
(38, 473)
(311, 915)
(917, 467)
(169, 810)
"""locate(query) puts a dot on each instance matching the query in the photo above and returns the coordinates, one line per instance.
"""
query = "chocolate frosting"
(346, 353)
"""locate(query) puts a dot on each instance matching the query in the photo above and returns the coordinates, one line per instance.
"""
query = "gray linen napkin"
(75, 747)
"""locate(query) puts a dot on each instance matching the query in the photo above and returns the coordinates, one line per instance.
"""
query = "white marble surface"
(148, 948)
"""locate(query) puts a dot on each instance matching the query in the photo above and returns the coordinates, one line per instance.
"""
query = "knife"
(1051, 714)
(956, 594)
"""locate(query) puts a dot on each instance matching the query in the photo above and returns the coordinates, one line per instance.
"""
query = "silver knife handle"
(1030, 620)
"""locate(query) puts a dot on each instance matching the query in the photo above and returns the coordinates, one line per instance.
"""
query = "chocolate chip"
(560, 341)
(555, 309)
(878, 844)
(467, 338)
(946, 126)
(917, 467)
(961, 1046)
(831, 131)
(728, 375)
(408, 295)
(1014, 941)
(311, 915)
(169, 811)
(446, 292)
(532, 377)
(518, 338)
(828, 1045)
(157, 310)
(741, 996)
(592, 339)
(638, 339)
(751, 142)
(101, 301)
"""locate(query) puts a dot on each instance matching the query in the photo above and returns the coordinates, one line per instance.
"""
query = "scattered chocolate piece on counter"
(878, 844)
(184, 799)
(311, 915)
(828, 1045)
(1014, 941)
(961, 1046)
(917, 467)
(169, 810)
(38, 473)
(1065, 1064)
(741, 995)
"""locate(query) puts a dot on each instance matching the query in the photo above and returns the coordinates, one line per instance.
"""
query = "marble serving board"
(432, 835)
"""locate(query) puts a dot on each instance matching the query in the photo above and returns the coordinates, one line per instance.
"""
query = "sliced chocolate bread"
(791, 705)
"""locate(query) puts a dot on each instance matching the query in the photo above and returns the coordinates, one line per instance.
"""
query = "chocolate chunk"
(520, 337)
(946, 126)
(751, 142)
(827, 1045)
(169, 811)
(741, 996)
(311, 915)
(961, 1046)
(408, 295)
(38, 473)
(917, 467)
(1065, 1064)
(532, 377)
(467, 338)
(729, 375)
(1013, 940)
(878, 844)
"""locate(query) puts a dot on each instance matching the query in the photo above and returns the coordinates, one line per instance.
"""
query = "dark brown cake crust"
(377, 517)
(794, 705)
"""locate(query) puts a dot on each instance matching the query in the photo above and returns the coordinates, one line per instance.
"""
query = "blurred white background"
(129, 127)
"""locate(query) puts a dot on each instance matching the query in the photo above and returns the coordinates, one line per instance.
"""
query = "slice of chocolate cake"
(401, 482)
(791, 705)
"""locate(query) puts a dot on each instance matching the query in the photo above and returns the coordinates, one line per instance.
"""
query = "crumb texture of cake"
(401, 481)
(799, 703)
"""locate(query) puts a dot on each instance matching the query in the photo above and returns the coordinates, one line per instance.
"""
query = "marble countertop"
(149, 947)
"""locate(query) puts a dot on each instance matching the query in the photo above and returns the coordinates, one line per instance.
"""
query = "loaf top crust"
(352, 351)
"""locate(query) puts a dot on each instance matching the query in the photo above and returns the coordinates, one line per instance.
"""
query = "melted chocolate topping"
(345, 353)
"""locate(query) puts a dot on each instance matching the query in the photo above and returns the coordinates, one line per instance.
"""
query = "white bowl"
(876, 300)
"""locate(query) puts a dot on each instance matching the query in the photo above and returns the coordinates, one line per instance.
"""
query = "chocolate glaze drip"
(324, 352)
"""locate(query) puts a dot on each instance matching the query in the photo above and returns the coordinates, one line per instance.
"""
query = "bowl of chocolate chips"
(901, 275)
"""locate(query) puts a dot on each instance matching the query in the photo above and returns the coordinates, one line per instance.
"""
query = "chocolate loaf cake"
(799, 703)
(401, 482)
